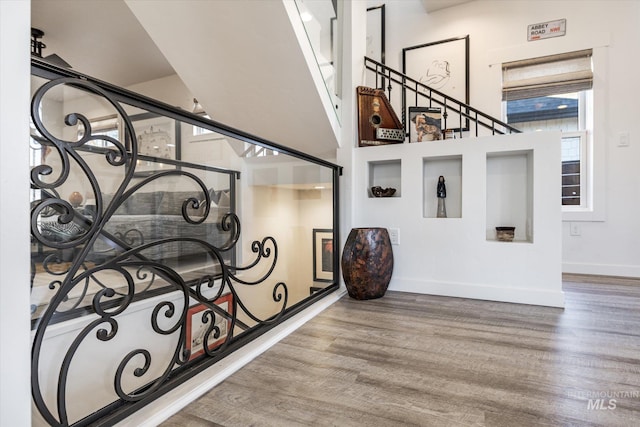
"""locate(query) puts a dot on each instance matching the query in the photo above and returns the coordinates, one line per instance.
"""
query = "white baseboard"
(172, 402)
(481, 292)
(601, 269)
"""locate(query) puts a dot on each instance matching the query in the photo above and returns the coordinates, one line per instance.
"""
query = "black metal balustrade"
(414, 93)
(103, 273)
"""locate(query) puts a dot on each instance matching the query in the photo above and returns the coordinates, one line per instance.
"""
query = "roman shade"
(548, 75)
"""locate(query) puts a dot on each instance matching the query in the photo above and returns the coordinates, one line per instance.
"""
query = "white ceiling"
(100, 38)
(433, 5)
(240, 58)
(103, 39)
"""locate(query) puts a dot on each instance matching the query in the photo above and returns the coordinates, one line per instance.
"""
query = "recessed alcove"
(510, 193)
(385, 174)
(450, 167)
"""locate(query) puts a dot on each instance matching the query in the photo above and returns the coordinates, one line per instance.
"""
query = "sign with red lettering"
(546, 30)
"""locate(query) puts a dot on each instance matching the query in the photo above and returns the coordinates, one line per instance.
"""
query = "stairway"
(244, 63)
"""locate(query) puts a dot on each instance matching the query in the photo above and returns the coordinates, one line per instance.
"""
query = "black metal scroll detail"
(168, 317)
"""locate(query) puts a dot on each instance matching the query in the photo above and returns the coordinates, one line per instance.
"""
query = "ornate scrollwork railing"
(139, 371)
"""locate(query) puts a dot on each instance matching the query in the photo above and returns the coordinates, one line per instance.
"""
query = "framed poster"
(425, 124)
(443, 66)
(375, 33)
(158, 137)
(197, 328)
(322, 255)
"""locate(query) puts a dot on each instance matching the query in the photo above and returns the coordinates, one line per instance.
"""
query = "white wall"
(354, 49)
(459, 255)
(15, 353)
(497, 30)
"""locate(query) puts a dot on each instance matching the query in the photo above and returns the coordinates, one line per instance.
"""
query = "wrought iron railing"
(141, 302)
(413, 93)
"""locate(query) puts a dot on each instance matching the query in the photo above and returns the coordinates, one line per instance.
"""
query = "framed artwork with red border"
(196, 328)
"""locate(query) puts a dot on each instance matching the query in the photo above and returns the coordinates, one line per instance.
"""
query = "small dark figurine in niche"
(441, 192)
(442, 189)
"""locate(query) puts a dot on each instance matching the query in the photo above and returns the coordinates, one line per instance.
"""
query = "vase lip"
(368, 228)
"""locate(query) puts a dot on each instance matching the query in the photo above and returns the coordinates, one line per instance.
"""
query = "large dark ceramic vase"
(367, 262)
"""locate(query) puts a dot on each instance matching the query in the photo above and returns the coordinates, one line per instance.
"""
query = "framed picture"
(158, 137)
(322, 255)
(196, 328)
(375, 33)
(443, 66)
(425, 124)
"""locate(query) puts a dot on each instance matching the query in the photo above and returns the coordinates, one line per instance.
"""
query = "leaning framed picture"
(425, 124)
(322, 255)
(197, 327)
(444, 66)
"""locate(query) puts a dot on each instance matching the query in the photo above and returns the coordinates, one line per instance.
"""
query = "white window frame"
(585, 197)
(598, 138)
(595, 146)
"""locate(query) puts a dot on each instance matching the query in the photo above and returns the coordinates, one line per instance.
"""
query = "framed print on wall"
(376, 41)
(443, 66)
(322, 255)
(158, 137)
(196, 328)
(375, 33)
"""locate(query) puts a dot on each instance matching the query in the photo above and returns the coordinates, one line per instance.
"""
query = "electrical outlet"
(623, 139)
(574, 229)
(394, 236)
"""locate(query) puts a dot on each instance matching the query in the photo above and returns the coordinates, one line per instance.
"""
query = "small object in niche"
(505, 234)
(75, 199)
(441, 192)
(449, 134)
(378, 191)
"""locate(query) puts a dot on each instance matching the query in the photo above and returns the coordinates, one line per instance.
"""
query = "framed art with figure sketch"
(442, 67)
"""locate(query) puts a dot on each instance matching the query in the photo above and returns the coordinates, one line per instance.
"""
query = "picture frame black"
(323, 255)
(376, 33)
(444, 66)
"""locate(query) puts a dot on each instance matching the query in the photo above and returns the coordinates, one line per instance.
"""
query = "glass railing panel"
(291, 201)
(161, 242)
(320, 19)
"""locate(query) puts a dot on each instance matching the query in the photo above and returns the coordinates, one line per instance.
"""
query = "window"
(554, 93)
(107, 126)
(197, 130)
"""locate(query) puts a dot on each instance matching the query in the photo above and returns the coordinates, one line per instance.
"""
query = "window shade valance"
(549, 75)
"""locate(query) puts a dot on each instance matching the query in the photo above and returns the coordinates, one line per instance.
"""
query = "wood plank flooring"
(409, 359)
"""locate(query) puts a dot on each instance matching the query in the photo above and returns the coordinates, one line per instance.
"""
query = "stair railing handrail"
(421, 90)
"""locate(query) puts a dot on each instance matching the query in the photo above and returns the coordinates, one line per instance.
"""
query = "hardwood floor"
(410, 359)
